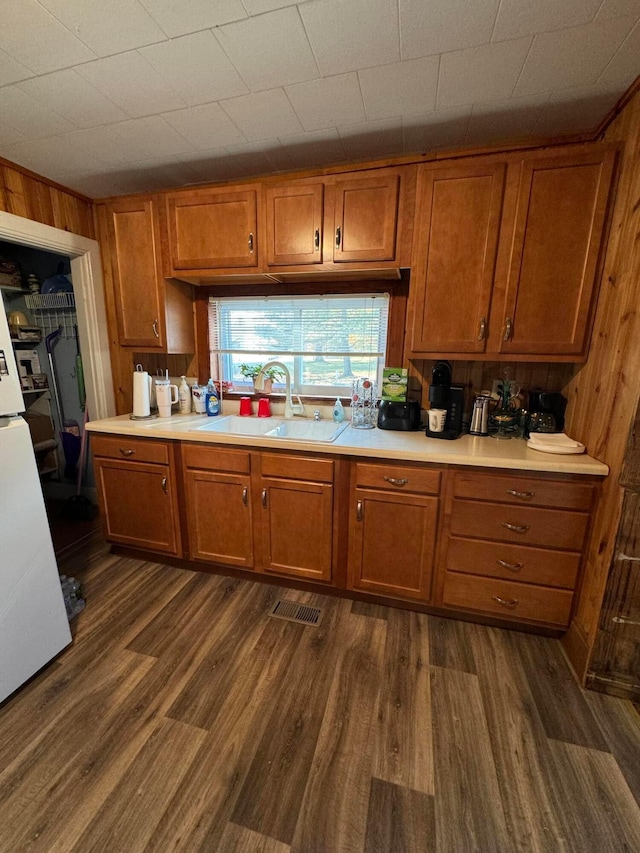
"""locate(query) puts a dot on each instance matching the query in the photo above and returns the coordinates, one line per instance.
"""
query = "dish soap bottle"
(184, 397)
(338, 411)
(212, 401)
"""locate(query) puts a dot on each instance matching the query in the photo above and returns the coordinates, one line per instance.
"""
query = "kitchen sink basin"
(294, 430)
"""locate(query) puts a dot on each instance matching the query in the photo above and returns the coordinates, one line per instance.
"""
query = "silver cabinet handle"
(513, 567)
(359, 511)
(338, 237)
(154, 326)
(508, 330)
(506, 602)
(245, 496)
(264, 498)
(517, 494)
(250, 241)
(396, 482)
(483, 328)
(517, 528)
(316, 239)
(126, 452)
(164, 486)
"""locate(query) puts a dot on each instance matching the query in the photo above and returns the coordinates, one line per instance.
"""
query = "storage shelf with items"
(55, 311)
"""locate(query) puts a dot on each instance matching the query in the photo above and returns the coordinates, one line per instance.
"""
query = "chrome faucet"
(290, 408)
(316, 415)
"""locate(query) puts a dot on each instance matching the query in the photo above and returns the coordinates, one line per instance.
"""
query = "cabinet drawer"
(513, 562)
(398, 478)
(207, 458)
(297, 468)
(526, 525)
(508, 599)
(123, 447)
(523, 490)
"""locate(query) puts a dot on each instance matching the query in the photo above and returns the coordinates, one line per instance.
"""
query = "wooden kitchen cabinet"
(366, 207)
(213, 230)
(393, 525)
(295, 223)
(454, 255)
(152, 314)
(136, 487)
(557, 236)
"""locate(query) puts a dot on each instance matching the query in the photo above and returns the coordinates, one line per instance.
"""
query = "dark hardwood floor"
(183, 718)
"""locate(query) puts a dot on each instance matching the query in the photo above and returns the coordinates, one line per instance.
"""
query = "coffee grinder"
(444, 395)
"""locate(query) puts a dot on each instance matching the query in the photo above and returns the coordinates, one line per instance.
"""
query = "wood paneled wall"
(25, 194)
(604, 393)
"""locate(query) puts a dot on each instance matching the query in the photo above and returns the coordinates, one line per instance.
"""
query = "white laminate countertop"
(371, 444)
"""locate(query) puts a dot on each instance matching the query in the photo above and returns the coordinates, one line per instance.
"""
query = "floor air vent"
(294, 612)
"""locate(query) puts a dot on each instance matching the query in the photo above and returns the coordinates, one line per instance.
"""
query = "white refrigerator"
(33, 619)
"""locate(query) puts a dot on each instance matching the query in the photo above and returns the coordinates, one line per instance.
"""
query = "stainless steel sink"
(294, 430)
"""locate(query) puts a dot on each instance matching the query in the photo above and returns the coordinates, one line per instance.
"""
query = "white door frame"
(89, 295)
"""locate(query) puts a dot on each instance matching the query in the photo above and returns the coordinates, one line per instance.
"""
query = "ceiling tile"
(617, 9)
(206, 126)
(28, 116)
(178, 18)
(107, 28)
(153, 136)
(257, 156)
(440, 129)
(524, 17)
(204, 163)
(258, 7)
(478, 74)
(499, 120)
(104, 144)
(11, 71)
(93, 185)
(263, 115)
(306, 150)
(72, 97)
(571, 57)
(372, 139)
(36, 39)
(196, 67)
(113, 77)
(400, 88)
(270, 50)
(354, 35)
(8, 136)
(439, 26)
(573, 111)
(623, 69)
(51, 156)
(328, 102)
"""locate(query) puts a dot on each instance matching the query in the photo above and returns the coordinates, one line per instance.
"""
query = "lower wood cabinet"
(137, 493)
(393, 524)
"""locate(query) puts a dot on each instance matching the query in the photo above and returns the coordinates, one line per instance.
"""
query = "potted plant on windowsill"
(250, 371)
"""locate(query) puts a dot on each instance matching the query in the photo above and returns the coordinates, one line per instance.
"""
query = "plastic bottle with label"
(338, 411)
(212, 399)
(184, 397)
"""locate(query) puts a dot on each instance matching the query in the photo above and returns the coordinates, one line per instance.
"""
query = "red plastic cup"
(245, 406)
(264, 407)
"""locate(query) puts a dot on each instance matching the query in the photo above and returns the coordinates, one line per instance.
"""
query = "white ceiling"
(116, 96)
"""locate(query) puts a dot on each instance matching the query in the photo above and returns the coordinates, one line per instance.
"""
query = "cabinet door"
(392, 543)
(297, 528)
(366, 217)
(558, 231)
(138, 506)
(455, 255)
(136, 265)
(213, 229)
(219, 512)
(294, 224)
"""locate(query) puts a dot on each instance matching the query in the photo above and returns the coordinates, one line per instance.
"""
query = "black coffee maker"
(548, 403)
(444, 395)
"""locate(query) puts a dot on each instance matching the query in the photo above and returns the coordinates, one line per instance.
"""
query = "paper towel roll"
(141, 400)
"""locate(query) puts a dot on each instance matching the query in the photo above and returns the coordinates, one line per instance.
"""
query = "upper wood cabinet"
(454, 255)
(559, 224)
(214, 229)
(151, 313)
(295, 215)
(366, 216)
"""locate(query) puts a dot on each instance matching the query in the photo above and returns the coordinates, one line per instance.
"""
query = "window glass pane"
(325, 342)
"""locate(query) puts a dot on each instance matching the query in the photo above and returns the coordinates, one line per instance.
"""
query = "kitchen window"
(325, 341)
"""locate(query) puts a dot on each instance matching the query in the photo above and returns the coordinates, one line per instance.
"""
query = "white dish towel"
(554, 442)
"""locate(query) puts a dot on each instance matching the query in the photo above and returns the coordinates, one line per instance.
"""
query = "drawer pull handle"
(126, 452)
(359, 510)
(245, 496)
(264, 498)
(316, 239)
(517, 528)
(338, 237)
(513, 567)
(250, 243)
(506, 602)
(164, 486)
(402, 481)
(517, 494)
